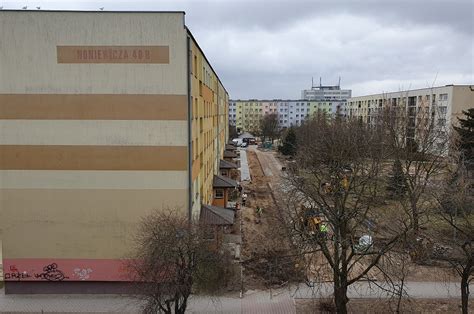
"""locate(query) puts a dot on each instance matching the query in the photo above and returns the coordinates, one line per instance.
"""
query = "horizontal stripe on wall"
(31, 269)
(94, 132)
(64, 179)
(65, 223)
(32, 157)
(93, 106)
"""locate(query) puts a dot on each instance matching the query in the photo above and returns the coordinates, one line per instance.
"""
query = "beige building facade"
(448, 102)
(441, 105)
(104, 117)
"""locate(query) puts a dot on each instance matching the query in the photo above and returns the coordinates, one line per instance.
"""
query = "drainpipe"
(190, 116)
(218, 130)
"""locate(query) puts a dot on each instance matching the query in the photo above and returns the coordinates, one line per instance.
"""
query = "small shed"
(222, 186)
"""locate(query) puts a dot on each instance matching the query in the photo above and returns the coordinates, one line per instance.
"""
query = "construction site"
(269, 260)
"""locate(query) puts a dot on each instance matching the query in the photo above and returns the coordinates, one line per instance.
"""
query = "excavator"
(312, 222)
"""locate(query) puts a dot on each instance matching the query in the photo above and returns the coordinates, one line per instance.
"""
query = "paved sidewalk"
(269, 301)
(276, 301)
(244, 166)
(364, 290)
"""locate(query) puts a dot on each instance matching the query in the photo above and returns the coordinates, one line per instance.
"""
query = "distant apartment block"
(447, 102)
(245, 115)
(444, 104)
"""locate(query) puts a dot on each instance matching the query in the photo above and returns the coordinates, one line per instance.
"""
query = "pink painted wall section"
(46, 269)
(268, 108)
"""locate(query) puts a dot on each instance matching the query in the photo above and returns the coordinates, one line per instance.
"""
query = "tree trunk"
(340, 298)
(465, 289)
(415, 218)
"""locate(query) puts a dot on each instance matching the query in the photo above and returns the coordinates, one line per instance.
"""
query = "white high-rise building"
(326, 92)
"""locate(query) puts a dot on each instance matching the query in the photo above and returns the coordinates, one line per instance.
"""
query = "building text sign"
(113, 54)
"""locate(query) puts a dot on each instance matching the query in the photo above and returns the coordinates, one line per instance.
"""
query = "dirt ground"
(261, 237)
(264, 247)
(307, 306)
(415, 272)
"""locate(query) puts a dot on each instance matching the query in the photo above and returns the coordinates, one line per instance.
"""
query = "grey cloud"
(271, 49)
(275, 15)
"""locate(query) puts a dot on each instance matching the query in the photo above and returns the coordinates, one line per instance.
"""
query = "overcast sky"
(271, 49)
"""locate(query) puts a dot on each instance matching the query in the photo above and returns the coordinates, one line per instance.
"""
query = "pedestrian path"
(244, 166)
(276, 301)
(267, 301)
(367, 290)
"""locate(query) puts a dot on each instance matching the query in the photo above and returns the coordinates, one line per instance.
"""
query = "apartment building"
(449, 102)
(443, 103)
(245, 115)
(105, 116)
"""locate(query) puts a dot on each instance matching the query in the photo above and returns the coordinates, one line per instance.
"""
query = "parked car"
(237, 141)
(244, 144)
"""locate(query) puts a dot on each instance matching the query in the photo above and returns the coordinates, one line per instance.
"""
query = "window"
(195, 66)
(443, 96)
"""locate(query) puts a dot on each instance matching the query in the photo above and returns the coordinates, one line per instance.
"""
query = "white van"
(237, 141)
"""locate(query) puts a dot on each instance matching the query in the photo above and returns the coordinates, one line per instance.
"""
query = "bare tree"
(174, 256)
(269, 126)
(418, 132)
(334, 191)
(457, 211)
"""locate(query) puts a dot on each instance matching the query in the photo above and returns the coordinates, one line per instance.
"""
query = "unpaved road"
(270, 165)
(263, 242)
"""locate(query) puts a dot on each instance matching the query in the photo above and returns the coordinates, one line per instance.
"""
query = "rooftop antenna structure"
(339, 84)
(320, 84)
(312, 82)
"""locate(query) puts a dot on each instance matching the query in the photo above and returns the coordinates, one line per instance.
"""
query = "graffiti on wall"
(82, 273)
(59, 269)
(50, 272)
